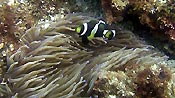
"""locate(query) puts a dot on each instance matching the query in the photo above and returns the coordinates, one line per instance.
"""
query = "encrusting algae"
(52, 62)
(155, 17)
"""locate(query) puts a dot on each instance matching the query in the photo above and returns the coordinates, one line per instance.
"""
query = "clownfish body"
(94, 29)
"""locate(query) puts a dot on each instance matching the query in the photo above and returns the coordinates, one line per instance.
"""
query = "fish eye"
(78, 29)
(101, 26)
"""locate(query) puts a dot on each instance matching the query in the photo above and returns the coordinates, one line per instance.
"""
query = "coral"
(113, 9)
(160, 13)
(7, 26)
(46, 10)
(111, 83)
(14, 21)
(153, 83)
(155, 15)
(134, 76)
(119, 4)
(106, 4)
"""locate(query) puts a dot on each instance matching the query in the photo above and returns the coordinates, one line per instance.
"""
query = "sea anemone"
(47, 64)
(52, 62)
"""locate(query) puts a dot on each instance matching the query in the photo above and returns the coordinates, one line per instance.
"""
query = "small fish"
(94, 29)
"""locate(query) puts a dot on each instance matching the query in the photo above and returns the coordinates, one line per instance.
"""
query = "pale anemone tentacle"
(33, 67)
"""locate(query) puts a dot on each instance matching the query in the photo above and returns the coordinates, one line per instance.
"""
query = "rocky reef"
(156, 17)
(48, 60)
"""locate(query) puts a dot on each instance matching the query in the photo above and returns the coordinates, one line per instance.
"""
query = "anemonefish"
(95, 29)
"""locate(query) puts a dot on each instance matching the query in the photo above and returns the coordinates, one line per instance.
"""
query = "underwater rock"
(156, 16)
(111, 83)
(114, 9)
(8, 29)
(135, 76)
